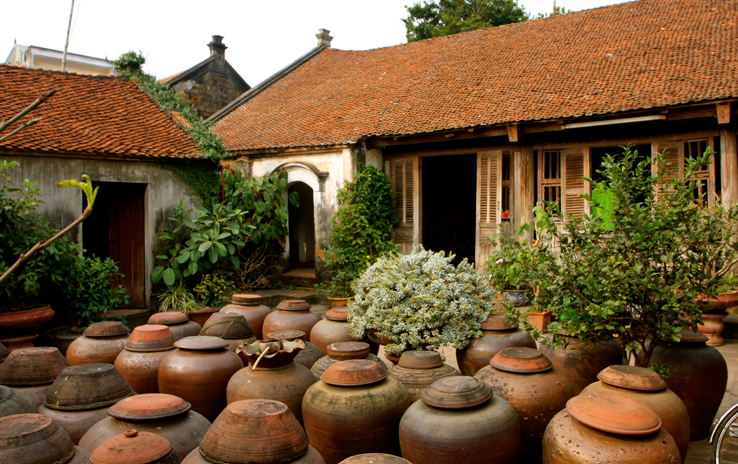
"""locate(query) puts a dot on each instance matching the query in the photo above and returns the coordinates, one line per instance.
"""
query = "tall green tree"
(436, 19)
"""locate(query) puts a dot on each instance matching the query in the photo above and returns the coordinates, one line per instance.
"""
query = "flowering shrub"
(420, 301)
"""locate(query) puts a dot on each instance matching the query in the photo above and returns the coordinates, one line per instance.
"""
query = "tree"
(437, 19)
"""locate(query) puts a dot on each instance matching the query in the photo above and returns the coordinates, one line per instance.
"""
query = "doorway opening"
(302, 228)
(449, 204)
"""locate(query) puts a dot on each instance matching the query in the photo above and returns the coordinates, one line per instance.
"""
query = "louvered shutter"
(575, 165)
(404, 172)
(673, 155)
(489, 189)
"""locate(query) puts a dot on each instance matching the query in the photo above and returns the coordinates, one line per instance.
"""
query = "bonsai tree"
(420, 301)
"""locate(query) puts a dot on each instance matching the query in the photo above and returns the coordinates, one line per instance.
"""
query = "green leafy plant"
(504, 272)
(89, 292)
(177, 298)
(212, 289)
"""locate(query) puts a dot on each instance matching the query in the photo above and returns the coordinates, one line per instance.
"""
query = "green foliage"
(558, 10)
(201, 177)
(504, 272)
(177, 298)
(362, 228)
(89, 292)
(437, 19)
(212, 289)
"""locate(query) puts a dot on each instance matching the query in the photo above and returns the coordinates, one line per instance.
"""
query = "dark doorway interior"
(115, 230)
(449, 204)
(302, 226)
(598, 154)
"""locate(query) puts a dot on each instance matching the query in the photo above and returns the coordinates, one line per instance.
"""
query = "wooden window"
(694, 149)
(561, 179)
(403, 175)
(506, 173)
(489, 202)
(550, 184)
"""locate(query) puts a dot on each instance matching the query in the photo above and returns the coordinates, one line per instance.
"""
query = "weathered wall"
(209, 93)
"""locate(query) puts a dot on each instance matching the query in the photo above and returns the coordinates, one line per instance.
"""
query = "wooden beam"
(431, 138)
(728, 166)
(723, 113)
(512, 132)
(523, 185)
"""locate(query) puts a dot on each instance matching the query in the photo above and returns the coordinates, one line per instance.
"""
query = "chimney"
(217, 47)
(324, 38)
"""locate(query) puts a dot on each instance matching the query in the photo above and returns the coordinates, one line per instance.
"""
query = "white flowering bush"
(420, 301)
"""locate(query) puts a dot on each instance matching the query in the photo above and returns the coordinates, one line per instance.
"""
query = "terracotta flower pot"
(539, 320)
(28, 320)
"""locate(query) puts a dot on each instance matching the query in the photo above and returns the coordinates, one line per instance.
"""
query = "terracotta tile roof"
(637, 55)
(88, 115)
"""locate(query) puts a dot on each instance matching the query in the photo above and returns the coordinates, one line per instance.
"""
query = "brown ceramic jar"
(101, 342)
(610, 429)
(698, 375)
(497, 335)
(30, 371)
(417, 370)
(37, 439)
(201, 316)
(134, 447)
(231, 327)
(291, 315)
(250, 307)
(458, 419)
(308, 355)
(341, 352)
(178, 322)
(648, 387)
(375, 458)
(3, 352)
(165, 415)
(139, 362)
(12, 402)
(536, 391)
(357, 396)
(198, 372)
(334, 329)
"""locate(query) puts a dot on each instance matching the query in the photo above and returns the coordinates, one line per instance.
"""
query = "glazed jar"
(101, 342)
(341, 352)
(698, 375)
(37, 439)
(580, 363)
(201, 316)
(356, 395)
(250, 307)
(536, 391)
(375, 458)
(231, 327)
(134, 447)
(198, 371)
(165, 415)
(81, 395)
(139, 362)
(648, 387)
(291, 315)
(497, 335)
(607, 428)
(308, 355)
(334, 329)
(30, 371)
(12, 402)
(418, 369)
(178, 322)
(458, 419)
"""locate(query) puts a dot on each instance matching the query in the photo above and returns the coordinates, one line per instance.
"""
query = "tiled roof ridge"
(116, 77)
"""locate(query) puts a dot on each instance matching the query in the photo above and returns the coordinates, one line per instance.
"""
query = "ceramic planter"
(539, 320)
(516, 298)
(28, 320)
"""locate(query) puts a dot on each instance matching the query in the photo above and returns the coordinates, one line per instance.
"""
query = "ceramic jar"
(198, 372)
(134, 447)
(497, 335)
(12, 402)
(459, 419)
(101, 342)
(418, 369)
(648, 387)
(37, 439)
(607, 428)
(698, 376)
(3, 352)
(356, 395)
(375, 458)
(80, 397)
(139, 362)
(179, 324)
(165, 415)
(30, 371)
(334, 329)
(201, 316)
(341, 352)
(536, 391)
(581, 363)
(308, 355)
(231, 327)
(291, 315)
(250, 307)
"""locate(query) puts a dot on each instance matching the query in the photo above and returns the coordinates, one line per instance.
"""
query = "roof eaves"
(172, 80)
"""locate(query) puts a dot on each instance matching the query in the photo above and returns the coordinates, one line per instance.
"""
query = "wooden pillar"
(728, 165)
(523, 187)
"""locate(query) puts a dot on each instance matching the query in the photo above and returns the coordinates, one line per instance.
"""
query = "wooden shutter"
(673, 155)
(489, 188)
(404, 181)
(574, 166)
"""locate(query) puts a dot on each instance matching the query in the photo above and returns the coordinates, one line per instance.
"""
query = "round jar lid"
(613, 413)
(692, 337)
(456, 392)
(355, 373)
(33, 438)
(3, 352)
(521, 360)
(168, 318)
(87, 386)
(201, 342)
(374, 458)
(248, 300)
(131, 447)
(149, 406)
(341, 351)
(632, 378)
(294, 305)
(338, 314)
(150, 337)
(106, 329)
(286, 335)
(496, 322)
(29, 367)
(420, 360)
(230, 326)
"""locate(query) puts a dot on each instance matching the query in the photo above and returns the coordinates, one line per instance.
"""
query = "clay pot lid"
(355, 373)
(150, 337)
(29, 367)
(294, 305)
(201, 342)
(338, 314)
(521, 360)
(3, 352)
(168, 318)
(149, 406)
(131, 447)
(374, 458)
(613, 413)
(286, 335)
(456, 392)
(496, 322)
(692, 337)
(248, 300)
(632, 378)
(230, 326)
(341, 351)
(33, 438)
(87, 386)
(420, 360)
(106, 329)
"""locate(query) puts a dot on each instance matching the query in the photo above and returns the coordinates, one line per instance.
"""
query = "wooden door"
(489, 214)
(405, 180)
(126, 238)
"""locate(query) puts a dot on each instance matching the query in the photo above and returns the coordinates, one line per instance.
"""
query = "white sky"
(263, 37)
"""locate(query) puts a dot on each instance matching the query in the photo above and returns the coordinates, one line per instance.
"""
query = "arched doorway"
(302, 226)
